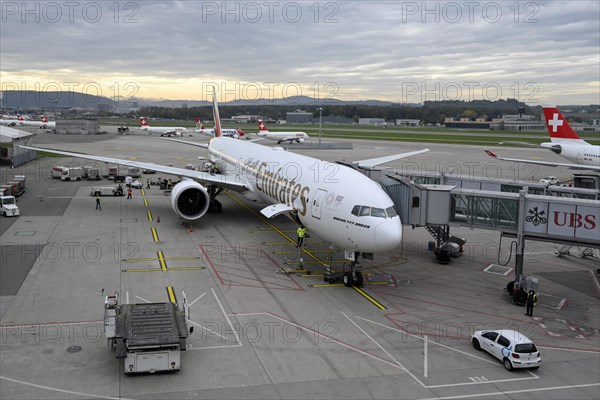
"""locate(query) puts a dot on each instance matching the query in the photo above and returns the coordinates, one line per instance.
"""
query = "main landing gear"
(214, 205)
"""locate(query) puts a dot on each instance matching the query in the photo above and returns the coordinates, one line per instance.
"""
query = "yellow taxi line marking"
(149, 215)
(154, 234)
(135, 260)
(324, 285)
(161, 260)
(143, 194)
(160, 270)
(366, 296)
(294, 252)
(171, 294)
(143, 270)
(292, 241)
(271, 231)
(146, 202)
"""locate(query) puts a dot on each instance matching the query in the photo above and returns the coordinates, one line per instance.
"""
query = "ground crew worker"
(170, 184)
(148, 183)
(301, 235)
(98, 206)
(129, 192)
(531, 301)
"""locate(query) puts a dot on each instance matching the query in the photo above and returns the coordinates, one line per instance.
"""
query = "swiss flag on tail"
(557, 125)
(44, 119)
(143, 121)
(261, 125)
(20, 117)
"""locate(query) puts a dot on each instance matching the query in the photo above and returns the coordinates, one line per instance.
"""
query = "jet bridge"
(560, 215)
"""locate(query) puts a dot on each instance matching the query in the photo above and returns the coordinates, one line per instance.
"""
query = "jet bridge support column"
(520, 238)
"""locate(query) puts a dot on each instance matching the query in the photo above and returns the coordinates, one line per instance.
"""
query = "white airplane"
(280, 136)
(8, 120)
(336, 202)
(163, 130)
(43, 124)
(564, 142)
(201, 129)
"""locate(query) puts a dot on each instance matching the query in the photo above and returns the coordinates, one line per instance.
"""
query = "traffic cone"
(190, 229)
(158, 219)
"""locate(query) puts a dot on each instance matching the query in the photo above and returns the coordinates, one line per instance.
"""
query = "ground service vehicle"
(72, 174)
(91, 173)
(514, 349)
(57, 171)
(107, 191)
(8, 206)
(550, 180)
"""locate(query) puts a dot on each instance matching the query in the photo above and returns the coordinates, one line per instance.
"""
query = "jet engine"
(189, 200)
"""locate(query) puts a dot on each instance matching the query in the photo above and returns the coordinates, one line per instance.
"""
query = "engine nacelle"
(189, 200)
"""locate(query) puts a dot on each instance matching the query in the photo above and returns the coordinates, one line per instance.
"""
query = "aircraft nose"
(388, 235)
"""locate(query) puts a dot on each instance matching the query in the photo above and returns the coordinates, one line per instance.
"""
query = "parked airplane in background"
(234, 133)
(280, 136)
(336, 202)
(8, 120)
(564, 142)
(21, 121)
(163, 130)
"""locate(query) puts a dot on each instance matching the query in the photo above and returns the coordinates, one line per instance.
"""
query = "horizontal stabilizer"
(372, 162)
(275, 210)
(579, 167)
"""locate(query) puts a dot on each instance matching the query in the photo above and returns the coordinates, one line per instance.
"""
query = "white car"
(514, 349)
(550, 180)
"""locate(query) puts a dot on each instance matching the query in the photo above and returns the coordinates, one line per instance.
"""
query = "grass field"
(408, 134)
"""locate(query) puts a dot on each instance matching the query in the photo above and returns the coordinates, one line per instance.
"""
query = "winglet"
(216, 114)
(489, 153)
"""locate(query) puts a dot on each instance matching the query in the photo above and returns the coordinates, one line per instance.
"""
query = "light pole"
(320, 115)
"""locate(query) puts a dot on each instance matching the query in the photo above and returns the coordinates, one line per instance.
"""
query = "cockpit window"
(365, 211)
(377, 212)
(356, 210)
(391, 212)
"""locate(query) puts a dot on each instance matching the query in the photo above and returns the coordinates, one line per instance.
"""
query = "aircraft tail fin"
(261, 126)
(558, 127)
(143, 122)
(216, 114)
(44, 119)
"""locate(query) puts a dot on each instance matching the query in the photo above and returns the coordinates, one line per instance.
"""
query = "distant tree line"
(431, 112)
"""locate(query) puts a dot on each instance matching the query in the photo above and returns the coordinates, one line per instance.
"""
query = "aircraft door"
(317, 202)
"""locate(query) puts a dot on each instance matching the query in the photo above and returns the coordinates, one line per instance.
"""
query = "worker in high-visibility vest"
(301, 235)
(531, 301)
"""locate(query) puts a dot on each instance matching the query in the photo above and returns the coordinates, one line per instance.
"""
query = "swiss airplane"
(21, 121)
(201, 129)
(564, 142)
(336, 202)
(280, 136)
(163, 130)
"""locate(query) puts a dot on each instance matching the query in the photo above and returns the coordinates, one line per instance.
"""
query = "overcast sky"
(538, 51)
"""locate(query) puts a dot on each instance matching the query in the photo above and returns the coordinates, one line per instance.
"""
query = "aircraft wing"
(203, 145)
(225, 181)
(372, 162)
(547, 163)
